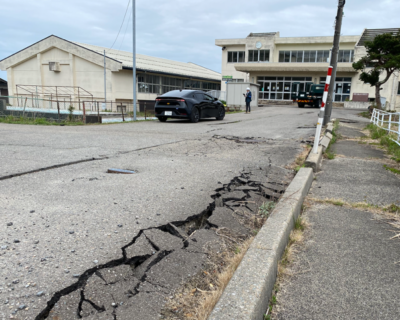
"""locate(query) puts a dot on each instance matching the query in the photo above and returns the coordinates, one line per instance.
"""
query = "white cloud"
(183, 30)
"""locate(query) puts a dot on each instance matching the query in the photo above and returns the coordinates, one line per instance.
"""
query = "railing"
(388, 121)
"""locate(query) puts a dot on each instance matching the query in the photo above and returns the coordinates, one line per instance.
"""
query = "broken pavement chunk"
(235, 195)
(225, 218)
(163, 240)
(246, 188)
(274, 187)
(141, 247)
(116, 274)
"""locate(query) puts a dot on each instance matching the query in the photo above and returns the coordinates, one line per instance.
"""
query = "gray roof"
(370, 34)
(262, 34)
(153, 64)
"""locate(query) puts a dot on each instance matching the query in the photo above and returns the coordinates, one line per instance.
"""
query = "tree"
(383, 56)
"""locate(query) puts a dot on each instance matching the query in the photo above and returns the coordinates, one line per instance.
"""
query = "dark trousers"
(248, 106)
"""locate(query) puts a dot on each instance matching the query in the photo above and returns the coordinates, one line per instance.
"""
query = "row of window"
(258, 55)
(157, 84)
(273, 89)
(298, 56)
(314, 56)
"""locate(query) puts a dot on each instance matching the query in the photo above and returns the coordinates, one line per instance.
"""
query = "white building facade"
(83, 66)
(275, 63)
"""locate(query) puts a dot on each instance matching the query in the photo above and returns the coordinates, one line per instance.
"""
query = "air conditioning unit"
(54, 66)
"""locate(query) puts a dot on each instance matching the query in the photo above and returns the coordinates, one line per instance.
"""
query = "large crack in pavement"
(158, 260)
(70, 163)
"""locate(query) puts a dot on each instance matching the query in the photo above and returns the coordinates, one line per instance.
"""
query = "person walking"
(247, 96)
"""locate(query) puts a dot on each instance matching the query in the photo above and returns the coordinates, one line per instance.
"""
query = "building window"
(300, 56)
(169, 84)
(236, 56)
(342, 88)
(258, 55)
(280, 88)
(148, 83)
(346, 56)
(398, 89)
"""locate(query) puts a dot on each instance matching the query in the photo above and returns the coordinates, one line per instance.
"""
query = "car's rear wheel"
(300, 105)
(195, 115)
(318, 104)
(221, 113)
(162, 119)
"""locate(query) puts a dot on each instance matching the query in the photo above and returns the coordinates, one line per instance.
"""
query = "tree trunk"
(378, 96)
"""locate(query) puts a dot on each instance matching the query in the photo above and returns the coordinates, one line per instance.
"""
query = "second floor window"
(258, 55)
(236, 56)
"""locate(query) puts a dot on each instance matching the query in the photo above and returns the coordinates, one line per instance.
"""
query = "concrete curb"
(248, 293)
(314, 160)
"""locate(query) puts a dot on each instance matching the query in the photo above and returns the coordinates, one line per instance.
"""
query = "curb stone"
(314, 160)
(248, 293)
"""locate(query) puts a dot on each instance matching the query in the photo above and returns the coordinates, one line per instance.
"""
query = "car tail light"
(158, 99)
(181, 100)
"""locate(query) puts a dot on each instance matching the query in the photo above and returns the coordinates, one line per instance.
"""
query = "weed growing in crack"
(237, 250)
(393, 208)
(297, 169)
(329, 154)
(394, 170)
(266, 208)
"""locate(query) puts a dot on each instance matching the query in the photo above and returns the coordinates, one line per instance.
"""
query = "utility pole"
(134, 57)
(334, 58)
(105, 82)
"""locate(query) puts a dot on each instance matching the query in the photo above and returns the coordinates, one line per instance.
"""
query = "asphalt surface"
(348, 267)
(57, 223)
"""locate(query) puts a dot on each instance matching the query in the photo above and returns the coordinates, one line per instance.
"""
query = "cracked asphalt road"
(55, 224)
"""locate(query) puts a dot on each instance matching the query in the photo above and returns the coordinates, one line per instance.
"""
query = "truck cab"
(307, 94)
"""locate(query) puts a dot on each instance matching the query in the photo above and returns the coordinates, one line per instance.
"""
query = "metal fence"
(27, 106)
(389, 121)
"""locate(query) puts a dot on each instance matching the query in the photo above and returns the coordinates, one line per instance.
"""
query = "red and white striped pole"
(322, 111)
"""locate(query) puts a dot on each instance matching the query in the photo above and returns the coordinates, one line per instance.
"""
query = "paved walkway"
(348, 267)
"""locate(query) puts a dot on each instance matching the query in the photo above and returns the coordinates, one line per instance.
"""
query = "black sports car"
(188, 104)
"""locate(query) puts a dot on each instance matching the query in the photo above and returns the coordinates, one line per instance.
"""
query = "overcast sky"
(183, 30)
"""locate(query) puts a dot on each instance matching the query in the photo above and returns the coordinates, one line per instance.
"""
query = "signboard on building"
(227, 77)
(360, 97)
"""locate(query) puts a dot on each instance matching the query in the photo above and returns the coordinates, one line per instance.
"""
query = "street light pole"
(134, 57)
(334, 60)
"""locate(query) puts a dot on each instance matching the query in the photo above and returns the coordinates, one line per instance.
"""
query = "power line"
(127, 7)
(126, 29)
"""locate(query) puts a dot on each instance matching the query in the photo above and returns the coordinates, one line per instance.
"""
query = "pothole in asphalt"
(161, 263)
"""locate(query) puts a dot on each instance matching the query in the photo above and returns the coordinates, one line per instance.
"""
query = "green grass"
(38, 121)
(365, 114)
(299, 224)
(328, 152)
(394, 170)
(393, 208)
(233, 111)
(385, 140)
(375, 131)
(297, 169)
(266, 208)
